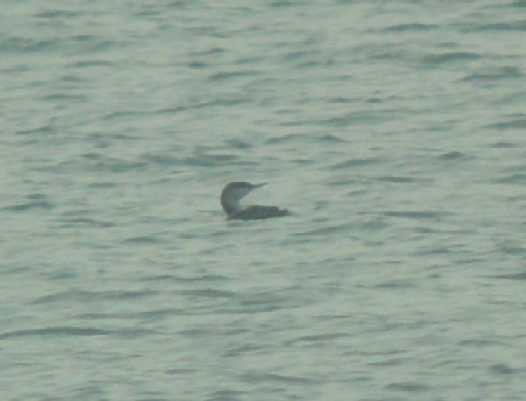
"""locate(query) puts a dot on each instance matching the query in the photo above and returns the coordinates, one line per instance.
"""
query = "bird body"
(259, 212)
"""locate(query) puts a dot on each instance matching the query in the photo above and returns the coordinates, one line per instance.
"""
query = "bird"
(235, 191)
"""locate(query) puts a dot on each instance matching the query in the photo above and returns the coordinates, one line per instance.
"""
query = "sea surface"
(394, 130)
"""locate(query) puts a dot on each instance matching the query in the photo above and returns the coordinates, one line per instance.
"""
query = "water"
(393, 130)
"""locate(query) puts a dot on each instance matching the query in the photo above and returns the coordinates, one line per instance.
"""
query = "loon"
(235, 191)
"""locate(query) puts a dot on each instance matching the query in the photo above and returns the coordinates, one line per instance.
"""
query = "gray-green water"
(394, 130)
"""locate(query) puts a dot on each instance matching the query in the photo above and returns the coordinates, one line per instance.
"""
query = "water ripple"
(352, 163)
(416, 214)
(511, 276)
(35, 201)
(399, 180)
(415, 27)
(410, 387)
(504, 369)
(315, 340)
(229, 75)
(517, 178)
(455, 155)
(513, 123)
(496, 75)
(24, 45)
(258, 377)
(55, 331)
(500, 26)
(227, 395)
(93, 296)
(450, 57)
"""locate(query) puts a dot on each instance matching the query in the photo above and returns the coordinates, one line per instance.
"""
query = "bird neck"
(230, 205)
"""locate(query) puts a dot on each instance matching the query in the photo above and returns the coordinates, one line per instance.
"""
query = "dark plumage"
(235, 191)
(259, 212)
